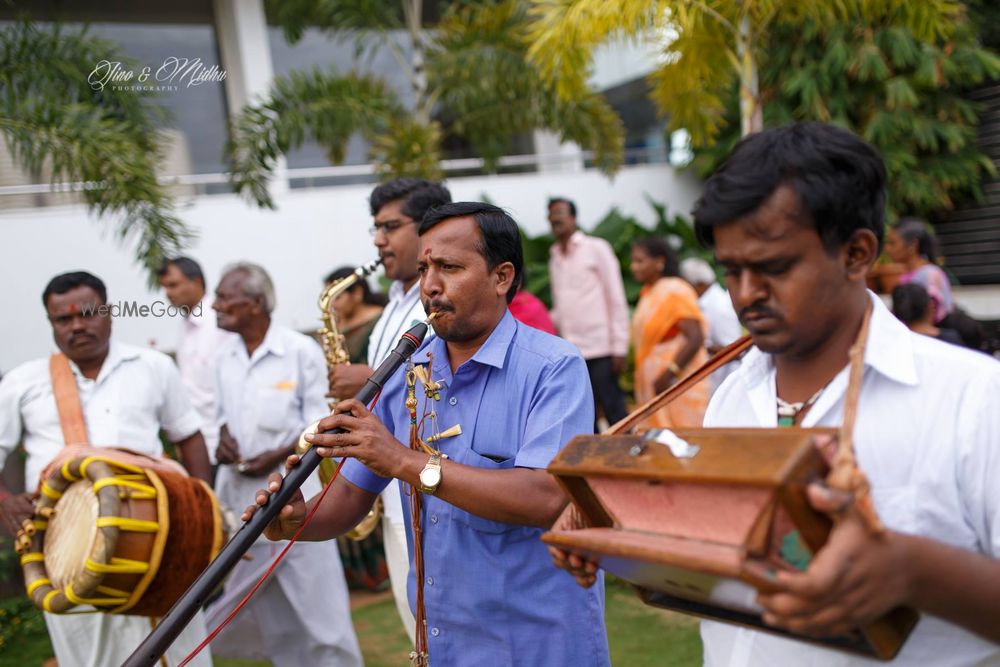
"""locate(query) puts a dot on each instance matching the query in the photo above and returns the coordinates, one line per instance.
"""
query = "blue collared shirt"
(491, 592)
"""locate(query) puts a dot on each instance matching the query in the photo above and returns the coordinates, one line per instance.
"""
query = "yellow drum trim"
(220, 532)
(40, 524)
(147, 490)
(32, 557)
(47, 601)
(41, 581)
(159, 543)
(49, 492)
(67, 475)
(117, 566)
(107, 590)
(131, 525)
(97, 602)
(111, 462)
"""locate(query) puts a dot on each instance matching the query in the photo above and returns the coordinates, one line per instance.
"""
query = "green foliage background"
(902, 94)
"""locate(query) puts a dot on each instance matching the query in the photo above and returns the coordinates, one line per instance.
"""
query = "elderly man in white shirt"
(128, 395)
(198, 343)
(272, 384)
(796, 217)
(723, 325)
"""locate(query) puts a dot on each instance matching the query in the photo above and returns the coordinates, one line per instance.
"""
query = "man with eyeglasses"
(397, 207)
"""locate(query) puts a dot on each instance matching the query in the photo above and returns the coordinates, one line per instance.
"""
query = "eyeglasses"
(389, 227)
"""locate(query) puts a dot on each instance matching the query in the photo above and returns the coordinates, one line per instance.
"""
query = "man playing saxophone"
(271, 385)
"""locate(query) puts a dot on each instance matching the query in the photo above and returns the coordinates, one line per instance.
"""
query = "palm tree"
(708, 45)
(470, 78)
(54, 120)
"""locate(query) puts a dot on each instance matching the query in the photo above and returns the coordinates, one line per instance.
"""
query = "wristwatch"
(430, 476)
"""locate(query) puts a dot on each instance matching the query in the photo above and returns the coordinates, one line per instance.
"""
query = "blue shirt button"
(453, 401)
(434, 518)
(430, 581)
(435, 632)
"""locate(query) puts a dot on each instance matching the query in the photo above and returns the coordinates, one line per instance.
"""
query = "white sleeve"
(177, 418)
(978, 462)
(313, 383)
(11, 426)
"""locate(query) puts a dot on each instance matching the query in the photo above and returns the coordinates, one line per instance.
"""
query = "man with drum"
(796, 218)
(518, 395)
(128, 395)
(272, 385)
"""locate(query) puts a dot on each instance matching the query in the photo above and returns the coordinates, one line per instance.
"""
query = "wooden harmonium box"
(700, 519)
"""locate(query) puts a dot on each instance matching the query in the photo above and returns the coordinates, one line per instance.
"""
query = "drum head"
(69, 539)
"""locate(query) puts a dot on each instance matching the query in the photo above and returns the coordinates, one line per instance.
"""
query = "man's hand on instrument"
(366, 439)
(228, 450)
(15, 509)
(856, 577)
(581, 567)
(291, 516)
(346, 380)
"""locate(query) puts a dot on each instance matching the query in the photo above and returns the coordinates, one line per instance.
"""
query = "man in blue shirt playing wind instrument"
(491, 401)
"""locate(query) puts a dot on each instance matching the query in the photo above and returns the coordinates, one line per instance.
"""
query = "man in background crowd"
(588, 304)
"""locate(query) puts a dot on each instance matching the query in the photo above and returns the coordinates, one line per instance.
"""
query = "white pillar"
(241, 30)
(557, 157)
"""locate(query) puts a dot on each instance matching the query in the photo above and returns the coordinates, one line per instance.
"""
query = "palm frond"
(51, 117)
(324, 105)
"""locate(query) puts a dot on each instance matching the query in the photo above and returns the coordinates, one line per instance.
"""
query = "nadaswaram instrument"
(122, 532)
(699, 519)
(335, 352)
(171, 625)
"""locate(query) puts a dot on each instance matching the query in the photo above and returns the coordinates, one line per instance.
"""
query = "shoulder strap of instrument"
(845, 475)
(723, 357)
(67, 397)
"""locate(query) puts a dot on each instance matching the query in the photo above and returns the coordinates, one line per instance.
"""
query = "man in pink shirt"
(588, 304)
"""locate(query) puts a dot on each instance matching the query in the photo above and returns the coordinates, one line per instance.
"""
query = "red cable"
(277, 560)
(263, 577)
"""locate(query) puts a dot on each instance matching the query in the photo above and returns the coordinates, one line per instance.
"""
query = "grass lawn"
(639, 635)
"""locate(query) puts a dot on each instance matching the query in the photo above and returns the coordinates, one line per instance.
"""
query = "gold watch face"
(430, 477)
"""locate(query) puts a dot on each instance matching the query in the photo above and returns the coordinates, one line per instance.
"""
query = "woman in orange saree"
(668, 334)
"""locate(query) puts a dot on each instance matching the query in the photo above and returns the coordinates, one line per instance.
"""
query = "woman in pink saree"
(668, 334)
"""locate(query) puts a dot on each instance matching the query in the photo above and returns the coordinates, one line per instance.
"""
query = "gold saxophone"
(335, 351)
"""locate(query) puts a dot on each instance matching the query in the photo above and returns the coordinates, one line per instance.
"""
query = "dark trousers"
(607, 394)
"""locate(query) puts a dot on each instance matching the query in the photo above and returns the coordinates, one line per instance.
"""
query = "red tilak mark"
(74, 309)
(427, 252)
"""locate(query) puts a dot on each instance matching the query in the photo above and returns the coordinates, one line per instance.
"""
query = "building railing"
(314, 177)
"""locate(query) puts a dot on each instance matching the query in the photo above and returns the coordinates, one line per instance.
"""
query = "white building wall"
(312, 232)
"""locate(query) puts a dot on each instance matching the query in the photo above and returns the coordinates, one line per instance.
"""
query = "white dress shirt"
(137, 392)
(588, 296)
(928, 438)
(723, 327)
(266, 400)
(197, 352)
(402, 312)
(302, 616)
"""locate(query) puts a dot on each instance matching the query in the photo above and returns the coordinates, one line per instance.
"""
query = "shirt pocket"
(473, 458)
(897, 507)
(275, 409)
